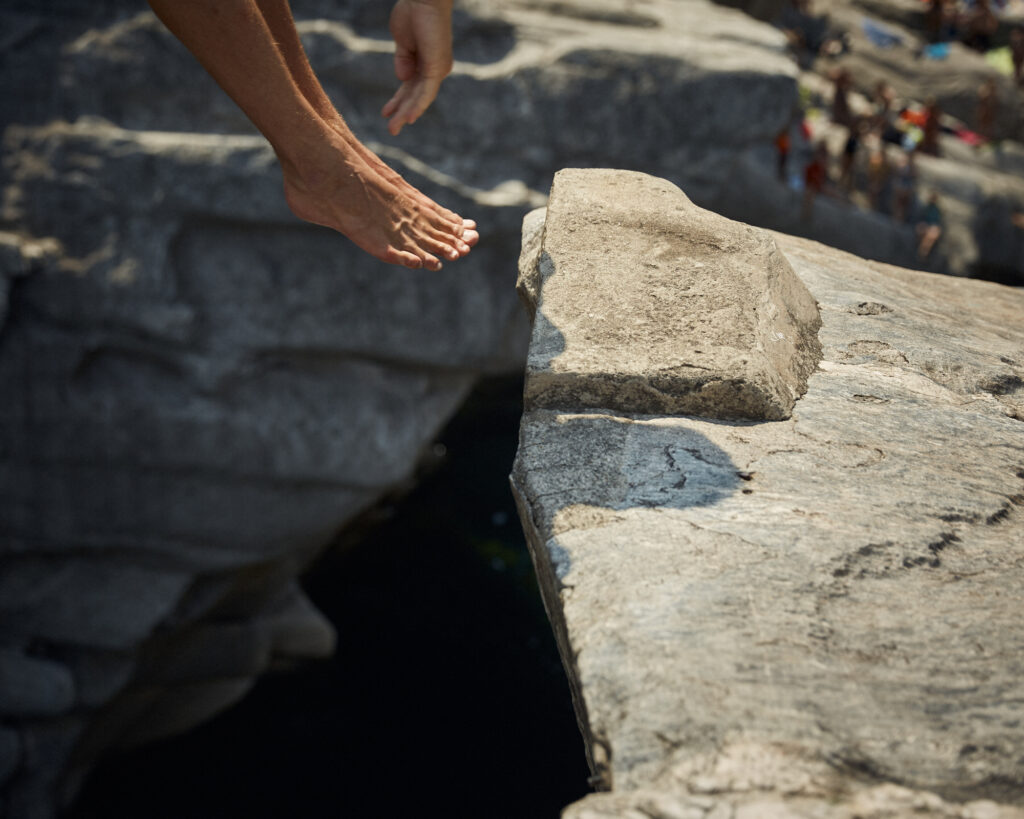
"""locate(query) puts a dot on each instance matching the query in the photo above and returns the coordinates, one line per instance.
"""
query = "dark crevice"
(446, 692)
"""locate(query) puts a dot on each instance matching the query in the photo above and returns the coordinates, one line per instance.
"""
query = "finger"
(471, 237)
(426, 93)
(396, 101)
(423, 93)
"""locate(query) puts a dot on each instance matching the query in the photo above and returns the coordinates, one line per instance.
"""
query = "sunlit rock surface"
(621, 251)
(812, 617)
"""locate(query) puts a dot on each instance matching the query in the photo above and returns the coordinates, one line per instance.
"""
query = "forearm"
(233, 42)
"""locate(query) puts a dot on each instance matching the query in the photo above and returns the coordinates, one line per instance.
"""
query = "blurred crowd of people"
(876, 163)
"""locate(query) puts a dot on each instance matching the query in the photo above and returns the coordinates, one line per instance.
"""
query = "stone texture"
(33, 687)
(792, 618)
(195, 393)
(10, 753)
(645, 303)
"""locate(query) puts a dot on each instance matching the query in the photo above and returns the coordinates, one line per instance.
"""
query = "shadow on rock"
(597, 465)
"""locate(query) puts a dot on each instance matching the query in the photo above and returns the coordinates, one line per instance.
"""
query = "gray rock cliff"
(196, 390)
(817, 616)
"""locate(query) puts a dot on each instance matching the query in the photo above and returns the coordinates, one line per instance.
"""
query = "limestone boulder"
(645, 303)
(809, 617)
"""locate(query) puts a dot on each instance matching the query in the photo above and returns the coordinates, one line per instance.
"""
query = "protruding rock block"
(645, 303)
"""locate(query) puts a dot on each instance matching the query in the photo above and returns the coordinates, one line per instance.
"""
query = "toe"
(394, 256)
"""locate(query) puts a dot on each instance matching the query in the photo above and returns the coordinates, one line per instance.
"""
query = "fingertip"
(469, 224)
(471, 237)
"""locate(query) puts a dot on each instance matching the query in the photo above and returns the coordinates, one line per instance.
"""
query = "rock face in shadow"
(645, 303)
(199, 391)
(810, 617)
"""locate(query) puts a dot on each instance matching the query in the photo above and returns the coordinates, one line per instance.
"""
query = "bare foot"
(339, 190)
(393, 222)
(465, 228)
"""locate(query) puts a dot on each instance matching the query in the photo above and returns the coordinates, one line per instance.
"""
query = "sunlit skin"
(252, 50)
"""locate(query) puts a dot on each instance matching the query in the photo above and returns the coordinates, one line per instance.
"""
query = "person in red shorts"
(815, 176)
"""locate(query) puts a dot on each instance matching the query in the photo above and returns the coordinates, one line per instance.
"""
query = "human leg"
(278, 17)
(326, 180)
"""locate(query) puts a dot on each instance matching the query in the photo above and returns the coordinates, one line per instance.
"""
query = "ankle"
(320, 166)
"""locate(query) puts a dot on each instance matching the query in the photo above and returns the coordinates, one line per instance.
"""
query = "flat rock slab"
(645, 303)
(816, 617)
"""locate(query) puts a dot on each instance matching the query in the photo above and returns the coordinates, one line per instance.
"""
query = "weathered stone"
(33, 687)
(99, 675)
(863, 802)
(645, 303)
(178, 708)
(10, 754)
(47, 747)
(94, 602)
(786, 618)
(293, 629)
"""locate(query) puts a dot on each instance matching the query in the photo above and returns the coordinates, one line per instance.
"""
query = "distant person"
(949, 21)
(1017, 54)
(980, 26)
(878, 174)
(782, 145)
(849, 155)
(933, 20)
(985, 114)
(251, 48)
(841, 83)
(930, 128)
(929, 228)
(903, 182)
(815, 177)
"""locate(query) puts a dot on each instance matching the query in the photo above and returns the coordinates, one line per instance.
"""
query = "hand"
(422, 31)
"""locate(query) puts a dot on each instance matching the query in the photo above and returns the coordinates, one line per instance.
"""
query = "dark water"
(446, 696)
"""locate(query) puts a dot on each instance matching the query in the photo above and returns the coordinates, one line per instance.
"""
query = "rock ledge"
(817, 617)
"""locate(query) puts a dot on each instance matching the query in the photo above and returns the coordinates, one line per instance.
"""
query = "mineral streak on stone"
(815, 618)
(645, 303)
